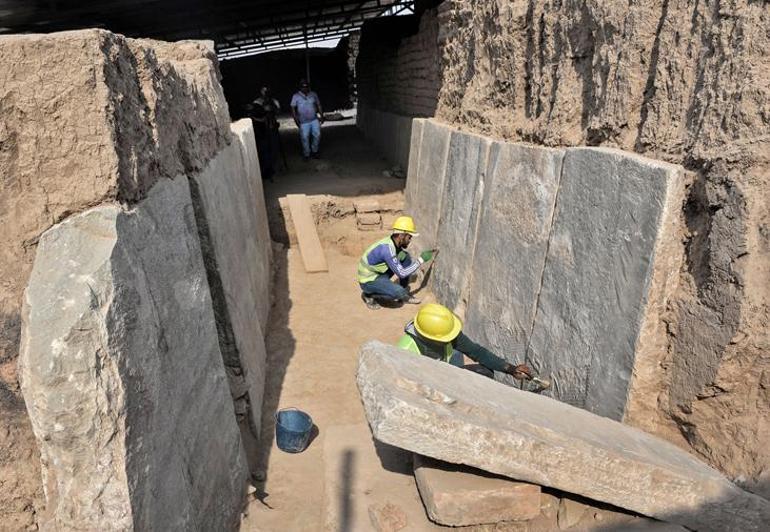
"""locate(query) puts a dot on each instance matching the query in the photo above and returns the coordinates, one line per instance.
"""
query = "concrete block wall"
(146, 257)
(551, 255)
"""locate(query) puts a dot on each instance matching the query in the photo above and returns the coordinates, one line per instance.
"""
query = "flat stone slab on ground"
(456, 495)
(435, 409)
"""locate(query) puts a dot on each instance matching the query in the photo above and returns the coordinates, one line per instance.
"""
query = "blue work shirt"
(307, 105)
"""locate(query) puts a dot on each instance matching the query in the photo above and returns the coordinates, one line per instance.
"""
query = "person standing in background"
(264, 115)
(308, 115)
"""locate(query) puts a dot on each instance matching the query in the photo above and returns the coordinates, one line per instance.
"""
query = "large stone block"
(235, 252)
(86, 117)
(437, 410)
(511, 244)
(123, 376)
(425, 204)
(413, 167)
(466, 169)
(601, 256)
(263, 275)
(460, 496)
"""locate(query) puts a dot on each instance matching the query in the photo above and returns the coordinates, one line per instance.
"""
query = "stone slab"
(362, 476)
(594, 286)
(461, 496)
(510, 247)
(313, 256)
(243, 132)
(463, 188)
(437, 410)
(424, 202)
(413, 167)
(122, 373)
(234, 247)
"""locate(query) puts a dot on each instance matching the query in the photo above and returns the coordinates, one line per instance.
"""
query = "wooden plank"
(309, 245)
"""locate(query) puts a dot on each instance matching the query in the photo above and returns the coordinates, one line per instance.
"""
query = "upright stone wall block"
(122, 373)
(466, 169)
(425, 205)
(510, 248)
(600, 260)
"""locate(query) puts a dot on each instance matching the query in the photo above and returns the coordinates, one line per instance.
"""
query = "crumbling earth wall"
(92, 123)
(677, 81)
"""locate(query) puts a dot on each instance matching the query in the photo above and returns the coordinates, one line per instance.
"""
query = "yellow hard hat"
(438, 323)
(404, 224)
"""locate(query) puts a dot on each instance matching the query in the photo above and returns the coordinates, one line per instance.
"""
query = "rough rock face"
(450, 414)
(86, 117)
(686, 82)
(232, 226)
(122, 373)
(563, 258)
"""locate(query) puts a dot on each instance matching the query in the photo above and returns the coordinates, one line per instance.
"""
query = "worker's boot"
(413, 301)
(370, 302)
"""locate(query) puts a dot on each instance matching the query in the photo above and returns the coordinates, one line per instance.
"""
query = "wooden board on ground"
(309, 244)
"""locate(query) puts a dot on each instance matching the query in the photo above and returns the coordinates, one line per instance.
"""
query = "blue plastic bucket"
(292, 430)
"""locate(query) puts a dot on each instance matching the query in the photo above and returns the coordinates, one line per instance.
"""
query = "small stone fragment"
(570, 513)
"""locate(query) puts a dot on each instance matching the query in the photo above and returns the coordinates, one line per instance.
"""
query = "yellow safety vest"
(407, 342)
(368, 272)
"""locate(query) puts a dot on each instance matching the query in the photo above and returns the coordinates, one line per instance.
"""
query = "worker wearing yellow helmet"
(387, 258)
(436, 332)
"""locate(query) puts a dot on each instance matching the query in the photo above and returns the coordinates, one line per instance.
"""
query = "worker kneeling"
(437, 333)
(387, 258)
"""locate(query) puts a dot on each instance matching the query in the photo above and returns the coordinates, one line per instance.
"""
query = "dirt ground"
(316, 326)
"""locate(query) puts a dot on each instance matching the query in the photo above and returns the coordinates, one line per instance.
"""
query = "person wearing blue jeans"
(308, 115)
(388, 258)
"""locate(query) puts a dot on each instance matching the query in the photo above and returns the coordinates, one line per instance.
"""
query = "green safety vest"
(408, 342)
(368, 272)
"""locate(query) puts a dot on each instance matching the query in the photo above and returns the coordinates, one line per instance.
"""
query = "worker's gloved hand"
(519, 372)
(428, 254)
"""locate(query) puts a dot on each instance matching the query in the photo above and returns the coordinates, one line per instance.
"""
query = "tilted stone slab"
(424, 205)
(238, 266)
(600, 260)
(122, 373)
(437, 410)
(511, 245)
(460, 496)
(463, 187)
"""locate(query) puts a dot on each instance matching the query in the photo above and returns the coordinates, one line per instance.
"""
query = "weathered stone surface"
(424, 201)
(237, 262)
(511, 244)
(570, 513)
(437, 410)
(244, 133)
(460, 496)
(413, 168)
(85, 117)
(466, 169)
(122, 373)
(597, 272)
